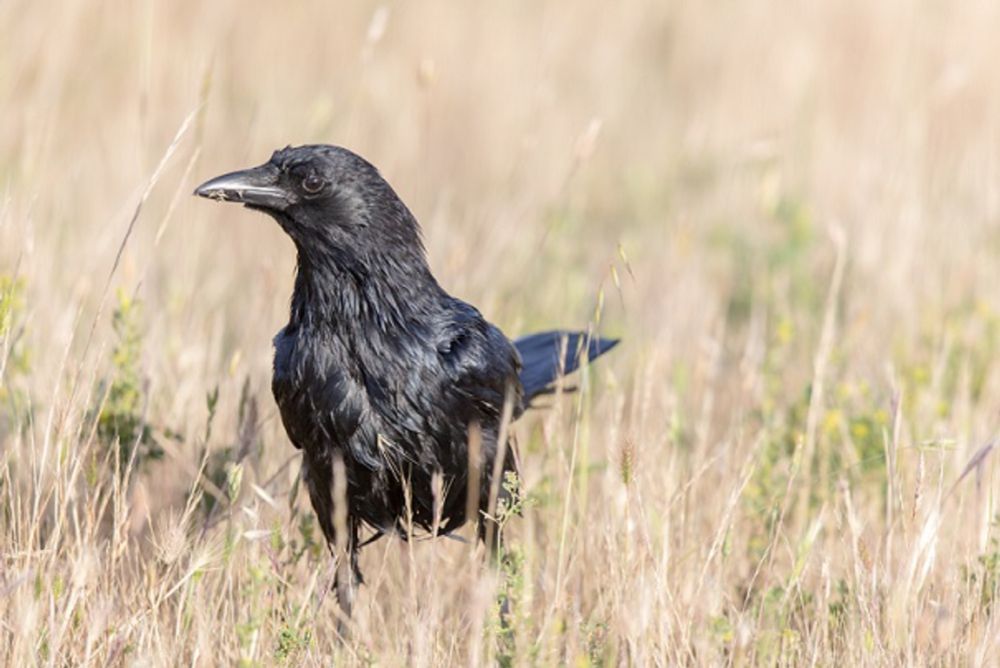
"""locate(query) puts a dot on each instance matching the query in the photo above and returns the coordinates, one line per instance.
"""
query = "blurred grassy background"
(790, 212)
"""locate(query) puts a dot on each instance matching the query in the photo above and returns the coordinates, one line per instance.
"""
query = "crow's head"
(333, 203)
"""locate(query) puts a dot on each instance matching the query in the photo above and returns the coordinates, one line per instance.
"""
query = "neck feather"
(345, 291)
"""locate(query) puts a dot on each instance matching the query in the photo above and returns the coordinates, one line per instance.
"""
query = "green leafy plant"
(983, 576)
(292, 642)
(121, 421)
(14, 358)
(224, 467)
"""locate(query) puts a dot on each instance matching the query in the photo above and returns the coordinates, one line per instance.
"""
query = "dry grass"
(791, 213)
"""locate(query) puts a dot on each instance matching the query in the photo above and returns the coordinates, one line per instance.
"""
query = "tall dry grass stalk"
(791, 213)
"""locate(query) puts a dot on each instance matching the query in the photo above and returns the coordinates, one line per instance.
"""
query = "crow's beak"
(257, 187)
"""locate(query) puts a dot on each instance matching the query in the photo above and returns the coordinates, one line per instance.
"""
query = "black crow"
(381, 371)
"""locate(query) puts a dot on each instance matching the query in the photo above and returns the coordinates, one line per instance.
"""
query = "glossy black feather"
(547, 356)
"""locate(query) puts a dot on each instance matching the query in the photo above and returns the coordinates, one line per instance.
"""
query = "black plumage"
(378, 366)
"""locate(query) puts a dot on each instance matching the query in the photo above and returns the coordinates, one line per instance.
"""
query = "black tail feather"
(547, 356)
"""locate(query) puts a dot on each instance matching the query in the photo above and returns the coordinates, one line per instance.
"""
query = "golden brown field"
(789, 211)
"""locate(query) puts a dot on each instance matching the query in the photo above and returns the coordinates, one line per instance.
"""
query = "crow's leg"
(340, 530)
(348, 576)
(499, 499)
(496, 499)
(491, 536)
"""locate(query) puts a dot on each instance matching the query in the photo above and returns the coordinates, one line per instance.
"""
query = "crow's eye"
(312, 184)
